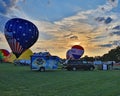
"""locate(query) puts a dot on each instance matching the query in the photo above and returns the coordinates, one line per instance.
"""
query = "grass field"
(21, 81)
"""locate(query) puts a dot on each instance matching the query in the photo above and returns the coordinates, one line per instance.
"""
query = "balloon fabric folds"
(21, 34)
(75, 52)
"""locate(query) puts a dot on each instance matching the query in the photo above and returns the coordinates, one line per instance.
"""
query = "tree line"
(112, 55)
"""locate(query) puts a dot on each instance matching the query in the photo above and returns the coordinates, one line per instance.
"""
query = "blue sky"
(93, 24)
(56, 10)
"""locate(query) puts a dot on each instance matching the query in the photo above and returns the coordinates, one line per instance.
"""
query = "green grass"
(21, 81)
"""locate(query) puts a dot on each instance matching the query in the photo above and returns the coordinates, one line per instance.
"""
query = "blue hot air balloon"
(21, 34)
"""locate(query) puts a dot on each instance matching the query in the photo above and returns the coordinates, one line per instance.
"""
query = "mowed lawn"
(21, 81)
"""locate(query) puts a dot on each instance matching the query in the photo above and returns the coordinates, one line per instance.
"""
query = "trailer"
(43, 62)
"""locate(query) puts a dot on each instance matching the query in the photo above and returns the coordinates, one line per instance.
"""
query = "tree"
(86, 58)
(112, 55)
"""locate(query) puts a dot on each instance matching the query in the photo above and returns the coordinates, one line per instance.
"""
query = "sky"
(92, 24)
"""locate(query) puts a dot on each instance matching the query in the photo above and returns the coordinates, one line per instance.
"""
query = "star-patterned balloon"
(21, 34)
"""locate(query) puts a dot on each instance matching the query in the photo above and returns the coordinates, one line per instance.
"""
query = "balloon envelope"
(3, 54)
(75, 52)
(25, 56)
(11, 57)
(21, 34)
(69, 54)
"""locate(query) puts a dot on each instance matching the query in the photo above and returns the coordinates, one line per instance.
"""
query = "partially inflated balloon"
(21, 34)
(11, 57)
(24, 56)
(3, 54)
(77, 51)
(69, 54)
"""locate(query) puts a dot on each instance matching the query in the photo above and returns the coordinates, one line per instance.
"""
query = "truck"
(44, 62)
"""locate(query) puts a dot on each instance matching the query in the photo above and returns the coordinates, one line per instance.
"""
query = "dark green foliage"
(112, 55)
(86, 58)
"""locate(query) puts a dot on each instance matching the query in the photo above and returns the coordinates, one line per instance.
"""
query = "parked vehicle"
(42, 63)
(78, 65)
(21, 62)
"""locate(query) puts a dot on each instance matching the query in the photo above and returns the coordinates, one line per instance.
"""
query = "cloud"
(48, 30)
(110, 44)
(100, 37)
(68, 35)
(3, 42)
(114, 3)
(71, 36)
(116, 33)
(46, 36)
(116, 27)
(104, 20)
(3, 20)
(110, 4)
(0, 39)
(100, 19)
(7, 5)
(74, 37)
(108, 20)
(91, 16)
(9, 9)
(115, 43)
(106, 45)
(103, 13)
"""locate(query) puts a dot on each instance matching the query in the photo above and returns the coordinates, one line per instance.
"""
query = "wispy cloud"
(9, 9)
(106, 45)
(3, 42)
(110, 44)
(7, 5)
(116, 33)
(3, 20)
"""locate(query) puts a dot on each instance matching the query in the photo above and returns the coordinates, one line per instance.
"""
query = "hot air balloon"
(25, 56)
(69, 54)
(3, 54)
(11, 57)
(21, 34)
(75, 52)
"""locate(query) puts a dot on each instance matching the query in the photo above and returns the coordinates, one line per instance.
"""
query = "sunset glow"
(95, 27)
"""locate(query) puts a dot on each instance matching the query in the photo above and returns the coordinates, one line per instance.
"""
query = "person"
(0, 60)
(112, 65)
